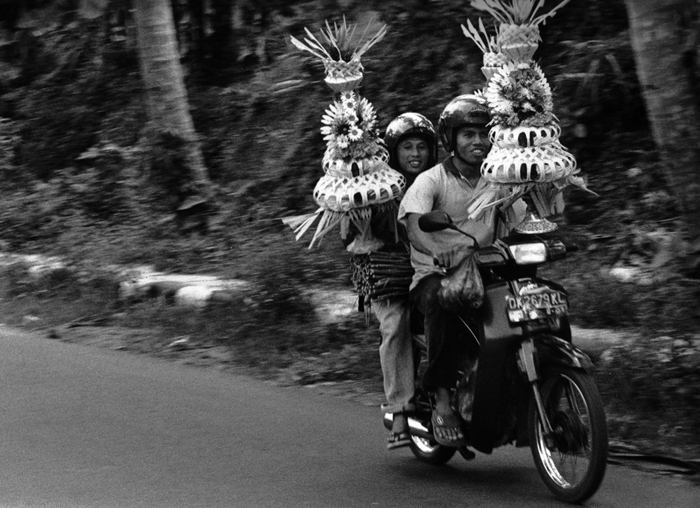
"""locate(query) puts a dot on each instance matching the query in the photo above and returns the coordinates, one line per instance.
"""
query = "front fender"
(552, 350)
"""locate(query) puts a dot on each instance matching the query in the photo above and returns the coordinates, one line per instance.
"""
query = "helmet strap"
(459, 157)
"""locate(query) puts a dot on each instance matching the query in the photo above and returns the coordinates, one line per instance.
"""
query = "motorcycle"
(531, 386)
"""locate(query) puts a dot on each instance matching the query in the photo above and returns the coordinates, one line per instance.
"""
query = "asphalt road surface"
(89, 427)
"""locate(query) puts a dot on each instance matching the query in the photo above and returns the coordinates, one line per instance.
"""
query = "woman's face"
(413, 155)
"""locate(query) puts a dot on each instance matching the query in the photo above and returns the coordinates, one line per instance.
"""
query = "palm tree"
(663, 34)
(168, 107)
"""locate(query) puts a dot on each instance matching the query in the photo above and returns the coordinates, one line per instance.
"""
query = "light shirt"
(443, 188)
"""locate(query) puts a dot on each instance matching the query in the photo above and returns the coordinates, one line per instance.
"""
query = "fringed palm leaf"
(312, 45)
(517, 12)
(301, 223)
(329, 220)
(485, 42)
(339, 39)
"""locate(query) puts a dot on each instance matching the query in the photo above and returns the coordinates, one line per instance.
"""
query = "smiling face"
(472, 143)
(413, 155)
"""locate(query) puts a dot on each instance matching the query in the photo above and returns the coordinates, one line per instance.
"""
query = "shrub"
(657, 378)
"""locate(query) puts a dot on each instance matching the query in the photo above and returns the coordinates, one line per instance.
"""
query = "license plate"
(535, 301)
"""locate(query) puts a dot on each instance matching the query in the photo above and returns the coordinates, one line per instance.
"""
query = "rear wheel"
(428, 450)
(573, 464)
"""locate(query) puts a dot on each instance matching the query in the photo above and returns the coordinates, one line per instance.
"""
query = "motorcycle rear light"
(528, 253)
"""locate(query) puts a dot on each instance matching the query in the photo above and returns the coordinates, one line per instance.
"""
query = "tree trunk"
(663, 39)
(168, 107)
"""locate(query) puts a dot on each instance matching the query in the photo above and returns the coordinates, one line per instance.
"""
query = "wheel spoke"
(568, 412)
(571, 398)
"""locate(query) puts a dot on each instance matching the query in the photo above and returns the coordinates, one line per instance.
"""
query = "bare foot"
(447, 426)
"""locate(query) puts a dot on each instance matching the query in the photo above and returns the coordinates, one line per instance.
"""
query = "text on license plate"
(539, 305)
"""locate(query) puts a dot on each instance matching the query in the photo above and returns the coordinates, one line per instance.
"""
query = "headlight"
(528, 253)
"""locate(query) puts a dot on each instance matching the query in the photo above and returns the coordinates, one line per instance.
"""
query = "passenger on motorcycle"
(412, 142)
(448, 187)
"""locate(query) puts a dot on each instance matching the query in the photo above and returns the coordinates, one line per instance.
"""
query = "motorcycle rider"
(449, 187)
(412, 143)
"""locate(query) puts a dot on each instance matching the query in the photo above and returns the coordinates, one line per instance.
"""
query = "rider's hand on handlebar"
(451, 257)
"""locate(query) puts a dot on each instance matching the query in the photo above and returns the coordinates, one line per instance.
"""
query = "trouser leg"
(445, 334)
(395, 353)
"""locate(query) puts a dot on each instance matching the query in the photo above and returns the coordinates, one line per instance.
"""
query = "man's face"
(473, 144)
(413, 155)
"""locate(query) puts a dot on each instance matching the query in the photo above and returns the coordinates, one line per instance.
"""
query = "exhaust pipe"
(416, 428)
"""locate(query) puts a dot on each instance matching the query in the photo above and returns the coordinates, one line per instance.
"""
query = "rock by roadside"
(144, 282)
(186, 290)
(595, 341)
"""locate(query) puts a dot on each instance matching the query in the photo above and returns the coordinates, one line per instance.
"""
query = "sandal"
(450, 421)
(399, 439)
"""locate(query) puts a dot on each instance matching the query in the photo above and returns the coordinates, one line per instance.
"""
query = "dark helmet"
(406, 125)
(468, 109)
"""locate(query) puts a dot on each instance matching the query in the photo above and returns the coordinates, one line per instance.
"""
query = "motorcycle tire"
(427, 450)
(574, 467)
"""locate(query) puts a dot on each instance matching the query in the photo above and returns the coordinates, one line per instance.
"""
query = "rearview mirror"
(435, 221)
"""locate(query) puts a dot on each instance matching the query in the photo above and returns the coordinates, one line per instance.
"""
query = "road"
(90, 427)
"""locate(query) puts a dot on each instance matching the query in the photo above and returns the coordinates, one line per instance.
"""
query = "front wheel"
(572, 464)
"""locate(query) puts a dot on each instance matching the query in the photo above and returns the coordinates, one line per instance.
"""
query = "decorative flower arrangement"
(357, 182)
(518, 94)
(350, 128)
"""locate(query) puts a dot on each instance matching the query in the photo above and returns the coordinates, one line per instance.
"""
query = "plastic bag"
(462, 288)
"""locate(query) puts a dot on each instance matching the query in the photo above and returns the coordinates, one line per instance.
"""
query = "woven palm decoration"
(494, 59)
(358, 180)
(527, 159)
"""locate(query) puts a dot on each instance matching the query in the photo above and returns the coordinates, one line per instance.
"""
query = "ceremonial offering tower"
(526, 160)
(357, 180)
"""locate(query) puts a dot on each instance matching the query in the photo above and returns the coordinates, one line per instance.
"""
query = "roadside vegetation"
(76, 184)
